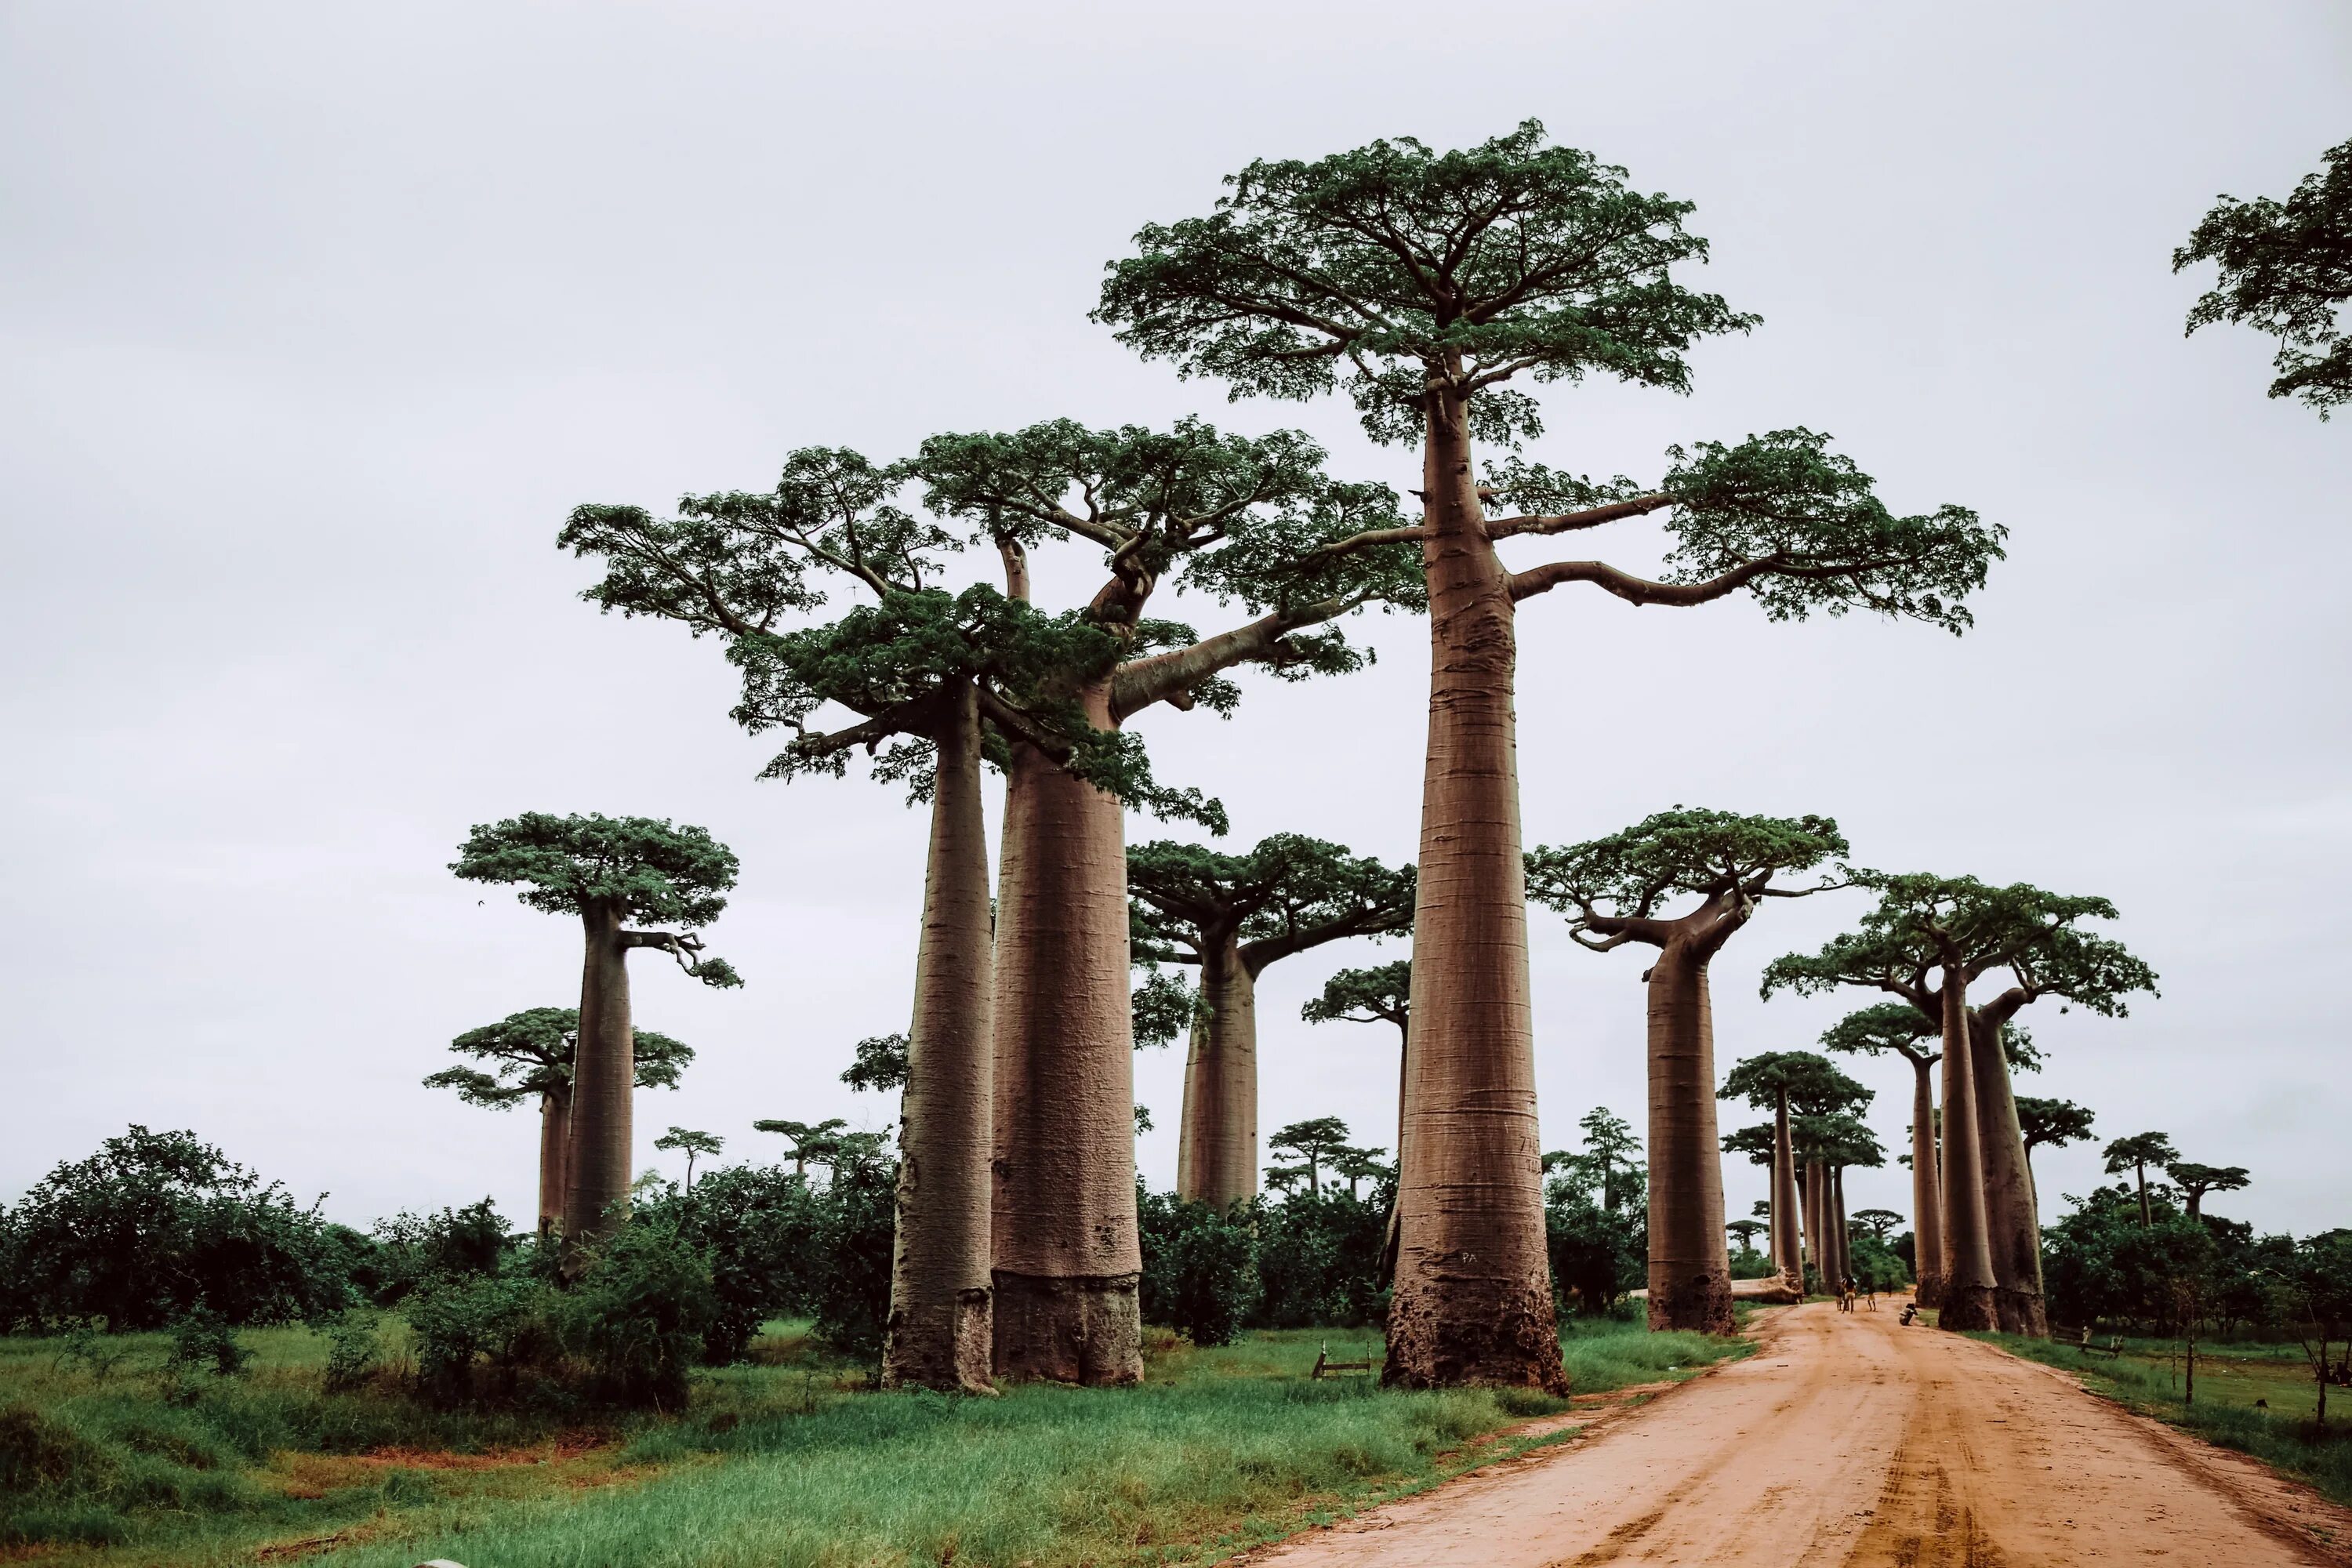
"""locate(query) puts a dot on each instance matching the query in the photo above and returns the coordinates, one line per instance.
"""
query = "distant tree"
(1744, 1232)
(607, 871)
(2048, 1123)
(1231, 916)
(1356, 1166)
(817, 1140)
(1901, 1029)
(1880, 1223)
(532, 1054)
(2135, 1154)
(880, 1065)
(2195, 1181)
(1928, 941)
(2286, 270)
(1610, 1145)
(2316, 1291)
(693, 1143)
(1314, 1144)
(1789, 1084)
(1719, 866)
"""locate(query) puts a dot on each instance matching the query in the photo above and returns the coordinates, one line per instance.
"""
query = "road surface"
(1849, 1441)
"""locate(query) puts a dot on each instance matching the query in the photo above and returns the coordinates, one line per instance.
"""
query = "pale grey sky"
(316, 320)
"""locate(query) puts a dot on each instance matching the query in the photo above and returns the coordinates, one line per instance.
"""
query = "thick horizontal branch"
(1637, 590)
(1569, 521)
(1164, 676)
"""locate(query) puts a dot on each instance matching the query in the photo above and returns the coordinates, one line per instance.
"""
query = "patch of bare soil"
(1848, 1441)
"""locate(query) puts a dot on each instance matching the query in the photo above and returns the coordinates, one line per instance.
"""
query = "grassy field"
(2230, 1377)
(785, 1462)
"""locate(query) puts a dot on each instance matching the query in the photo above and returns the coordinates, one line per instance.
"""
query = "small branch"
(1565, 523)
(1637, 590)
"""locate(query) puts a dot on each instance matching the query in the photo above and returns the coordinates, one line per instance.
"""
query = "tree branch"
(1565, 523)
(1637, 590)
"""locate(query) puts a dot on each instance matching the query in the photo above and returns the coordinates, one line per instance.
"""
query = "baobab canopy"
(637, 868)
(533, 1053)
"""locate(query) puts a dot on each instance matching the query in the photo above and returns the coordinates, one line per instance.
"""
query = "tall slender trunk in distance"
(604, 1074)
(1969, 1279)
(1068, 1256)
(1926, 1187)
(1473, 1302)
(1690, 1264)
(1816, 1183)
(1840, 1237)
(1788, 1244)
(1216, 1144)
(940, 1326)
(2011, 1229)
(555, 1152)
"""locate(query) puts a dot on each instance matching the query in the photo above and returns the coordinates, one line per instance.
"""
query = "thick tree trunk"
(1788, 1243)
(1809, 1175)
(555, 1152)
(596, 1186)
(1926, 1187)
(2012, 1230)
(939, 1335)
(1690, 1266)
(1840, 1238)
(1216, 1146)
(1067, 1253)
(1969, 1279)
(1473, 1302)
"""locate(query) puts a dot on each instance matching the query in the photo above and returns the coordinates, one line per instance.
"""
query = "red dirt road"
(1848, 1441)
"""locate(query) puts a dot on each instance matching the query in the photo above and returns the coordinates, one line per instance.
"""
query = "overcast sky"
(316, 320)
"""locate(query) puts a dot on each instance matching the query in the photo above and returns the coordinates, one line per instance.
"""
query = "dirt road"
(1847, 1440)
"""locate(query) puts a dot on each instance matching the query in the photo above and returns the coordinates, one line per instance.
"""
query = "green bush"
(476, 1337)
(639, 1316)
(1200, 1269)
(761, 1227)
(203, 1338)
(1319, 1260)
(1598, 1253)
(854, 1239)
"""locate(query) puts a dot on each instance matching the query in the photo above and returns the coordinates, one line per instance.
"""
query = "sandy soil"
(1847, 1440)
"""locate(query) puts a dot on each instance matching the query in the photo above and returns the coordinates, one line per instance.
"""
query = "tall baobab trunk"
(1840, 1238)
(1926, 1187)
(1690, 1265)
(555, 1152)
(1216, 1144)
(939, 1333)
(1066, 1254)
(1816, 1180)
(1969, 1279)
(1473, 1302)
(604, 1072)
(2013, 1231)
(1788, 1245)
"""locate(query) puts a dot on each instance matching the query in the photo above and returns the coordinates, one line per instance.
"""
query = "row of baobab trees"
(1432, 289)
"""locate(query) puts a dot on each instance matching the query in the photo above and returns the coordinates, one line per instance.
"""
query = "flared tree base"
(1084, 1329)
(1929, 1292)
(947, 1347)
(1475, 1334)
(1968, 1307)
(2021, 1312)
(1684, 1297)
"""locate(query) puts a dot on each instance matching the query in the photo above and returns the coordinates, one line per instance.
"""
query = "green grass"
(2230, 1377)
(785, 1462)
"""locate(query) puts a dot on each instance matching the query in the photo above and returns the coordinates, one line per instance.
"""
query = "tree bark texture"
(1066, 1252)
(1969, 1279)
(1690, 1263)
(1788, 1242)
(939, 1327)
(1840, 1238)
(1926, 1187)
(555, 1152)
(1216, 1144)
(596, 1184)
(1816, 1250)
(1473, 1302)
(2012, 1232)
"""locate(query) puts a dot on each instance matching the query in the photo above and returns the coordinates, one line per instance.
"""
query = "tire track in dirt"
(1847, 1440)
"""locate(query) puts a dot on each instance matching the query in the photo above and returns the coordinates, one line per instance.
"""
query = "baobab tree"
(531, 1055)
(1619, 890)
(1744, 1232)
(2046, 1124)
(607, 871)
(1230, 916)
(1790, 1084)
(1926, 941)
(2135, 1154)
(1901, 1029)
(1829, 1145)
(2286, 270)
(1379, 995)
(1313, 1144)
(1428, 281)
(693, 1143)
(2194, 1181)
(1880, 1223)
(811, 1140)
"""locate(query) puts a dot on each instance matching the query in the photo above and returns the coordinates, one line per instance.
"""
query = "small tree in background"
(1231, 916)
(1880, 1223)
(2315, 1292)
(607, 871)
(2135, 1154)
(1313, 1144)
(693, 1143)
(1900, 1029)
(815, 1141)
(2286, 270)
(1356, 1166)
(1789, 1084)
(531, 1053)
(2048, 1123)
(2195, 1181)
